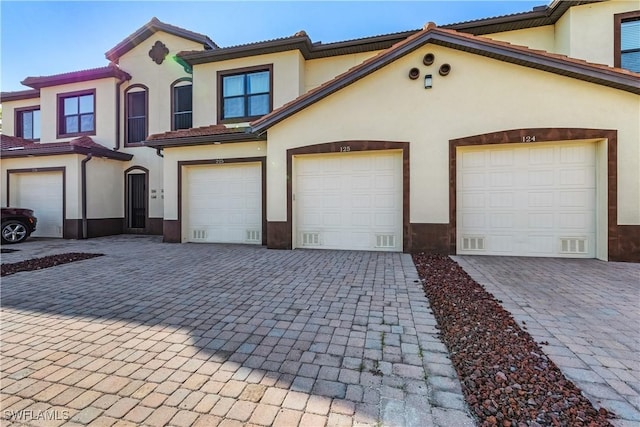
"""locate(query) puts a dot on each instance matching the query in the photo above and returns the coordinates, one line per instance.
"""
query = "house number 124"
(529, 138)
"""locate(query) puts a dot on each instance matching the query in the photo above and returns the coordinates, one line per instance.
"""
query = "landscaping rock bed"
(44, 262)
(506, 378)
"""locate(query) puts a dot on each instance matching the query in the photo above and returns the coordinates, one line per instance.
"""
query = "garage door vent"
(473, 243)
(310, 239)
(385, 241)
(199, 234)
(253, 235)
(573, 245)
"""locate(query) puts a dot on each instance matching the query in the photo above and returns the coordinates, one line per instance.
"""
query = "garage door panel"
(548, 202)
(541, 178)
(362, 200)
(42, 192)
(224, 203)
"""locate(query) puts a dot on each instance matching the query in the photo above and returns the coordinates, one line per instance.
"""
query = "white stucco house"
(515, 135)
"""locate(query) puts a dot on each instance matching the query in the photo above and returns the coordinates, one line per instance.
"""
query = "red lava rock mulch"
(44, 262)
(506, 378)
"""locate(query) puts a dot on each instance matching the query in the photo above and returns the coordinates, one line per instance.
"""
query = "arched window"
(136, 112)
(181, 104)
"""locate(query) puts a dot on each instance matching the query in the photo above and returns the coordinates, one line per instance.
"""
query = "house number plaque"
(529, 138)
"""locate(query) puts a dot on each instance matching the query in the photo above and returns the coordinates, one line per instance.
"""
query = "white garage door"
(42, 192)
(223, 203)
(349, 201)
(527, 200)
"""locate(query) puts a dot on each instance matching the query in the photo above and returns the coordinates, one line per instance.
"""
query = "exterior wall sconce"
(428, 81)
(414, 73)
(444, 69)
(428, 59)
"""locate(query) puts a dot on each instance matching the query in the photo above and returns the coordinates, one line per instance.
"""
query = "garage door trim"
(543, 135)
(222, 162)
(48, 169)
(345, 147)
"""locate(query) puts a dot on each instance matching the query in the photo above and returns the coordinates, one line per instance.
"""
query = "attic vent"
(199, 234)
(473, 243)
(573, 245)
(385, 241)
(253, 235)
(310, 239)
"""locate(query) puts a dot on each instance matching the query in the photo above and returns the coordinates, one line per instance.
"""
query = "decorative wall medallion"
(158, 52)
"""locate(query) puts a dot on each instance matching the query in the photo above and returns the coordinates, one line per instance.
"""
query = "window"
(245, 94)
(136, 113)
(627, 41)
(182, 107)
(76, 114)
(28, 123)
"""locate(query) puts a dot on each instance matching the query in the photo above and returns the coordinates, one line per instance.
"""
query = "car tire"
(14, 232)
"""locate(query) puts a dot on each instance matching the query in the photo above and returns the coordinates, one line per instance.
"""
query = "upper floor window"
(28, 123)
(245, 94)
(182, 106)
(136, 113)
(76, 113)
(627, 41)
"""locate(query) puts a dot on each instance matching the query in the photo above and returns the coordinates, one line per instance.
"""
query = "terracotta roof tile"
(13, 145)
(148, 29)
(110, 70)
(19, 94)
(347, 77)
(199, 131)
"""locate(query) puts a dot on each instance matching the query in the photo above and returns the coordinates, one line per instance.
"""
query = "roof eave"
(531, 59)
(19, 95)
(48, 81)
(204, 140)
(71, 149)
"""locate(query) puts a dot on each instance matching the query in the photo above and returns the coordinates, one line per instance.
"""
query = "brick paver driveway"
(157, 334)
(588, 311)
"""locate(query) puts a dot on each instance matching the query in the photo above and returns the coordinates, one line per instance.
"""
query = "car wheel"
(14, 232)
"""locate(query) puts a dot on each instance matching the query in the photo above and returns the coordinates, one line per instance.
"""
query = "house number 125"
(345, 149)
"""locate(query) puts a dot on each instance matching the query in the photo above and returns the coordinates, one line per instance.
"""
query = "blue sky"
(51, 37)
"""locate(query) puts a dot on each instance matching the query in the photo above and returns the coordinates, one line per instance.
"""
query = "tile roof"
(200, 135)
(13, 146)
(110, 70)
(560, 64)
(148, 29)
(19, 94)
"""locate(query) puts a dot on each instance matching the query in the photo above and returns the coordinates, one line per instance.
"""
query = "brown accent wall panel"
(171, 231)
(103, 227)
(628, 244)
(430, 238)
(154, 227)
(278, 235)
(72, 229)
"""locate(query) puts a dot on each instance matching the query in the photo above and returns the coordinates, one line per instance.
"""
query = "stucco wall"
(589, 29)
(287, 82)
(72, 177)
(205, 152)
(9, 115)
(480, 95)
(104, 110)
(157, 78)
(105, 186)
(542, 38)
(318, 71)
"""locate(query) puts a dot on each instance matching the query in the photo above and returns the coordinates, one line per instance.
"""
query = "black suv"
(17, 224)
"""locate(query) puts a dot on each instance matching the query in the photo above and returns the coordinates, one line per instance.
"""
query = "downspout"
(83, 177)
(118, 85)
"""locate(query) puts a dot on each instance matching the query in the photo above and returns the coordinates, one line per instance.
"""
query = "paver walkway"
(157, 334)
(589, 313)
